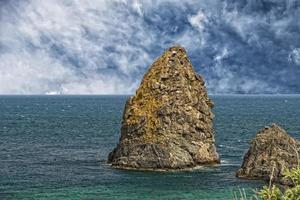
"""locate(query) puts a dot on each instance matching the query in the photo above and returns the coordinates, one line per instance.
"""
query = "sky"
(106, 46)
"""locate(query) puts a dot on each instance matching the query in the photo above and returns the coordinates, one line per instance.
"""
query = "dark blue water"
(55, 147)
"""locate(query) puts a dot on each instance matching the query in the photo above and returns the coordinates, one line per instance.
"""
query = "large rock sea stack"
(272, 151)
(168, 124)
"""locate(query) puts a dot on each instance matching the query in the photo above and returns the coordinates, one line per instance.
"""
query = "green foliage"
(293, 175)
(292, 193)
(274, 193)
(288, 193)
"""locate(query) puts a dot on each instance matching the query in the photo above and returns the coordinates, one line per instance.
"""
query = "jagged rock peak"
(167, 124)
(271, 152)
(173, 70)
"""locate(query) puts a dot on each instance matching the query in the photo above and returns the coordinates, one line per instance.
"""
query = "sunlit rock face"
(168, 123)
(271, 152)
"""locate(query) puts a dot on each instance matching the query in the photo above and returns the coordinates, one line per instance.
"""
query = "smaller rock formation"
(271, 152)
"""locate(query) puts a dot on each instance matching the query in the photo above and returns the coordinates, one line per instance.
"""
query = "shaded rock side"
(168, 124)
(272, 151)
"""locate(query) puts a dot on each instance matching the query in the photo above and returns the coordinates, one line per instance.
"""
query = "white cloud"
(137, 6)
(20, 74)
(227, 80)
(223, 54)
(198, 20)
(294, 56)
(77, 32)
(45, 75)
(104, 46)
(78, 46)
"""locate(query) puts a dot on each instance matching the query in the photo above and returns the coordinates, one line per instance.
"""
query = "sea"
(56, 147)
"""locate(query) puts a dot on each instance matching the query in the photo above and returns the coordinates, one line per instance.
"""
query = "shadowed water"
(55, 147)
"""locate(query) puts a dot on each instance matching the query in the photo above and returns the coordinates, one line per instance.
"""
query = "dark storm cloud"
(87, 46)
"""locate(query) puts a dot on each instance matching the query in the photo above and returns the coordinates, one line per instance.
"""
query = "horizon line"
(215, 94)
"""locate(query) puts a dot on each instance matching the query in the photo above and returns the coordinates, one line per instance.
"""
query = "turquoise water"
(55, 147)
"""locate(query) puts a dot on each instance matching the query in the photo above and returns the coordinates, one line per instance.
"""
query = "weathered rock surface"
(168, 124)
(272, 151)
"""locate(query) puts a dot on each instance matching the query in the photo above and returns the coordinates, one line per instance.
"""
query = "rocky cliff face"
(270, 152)
(168, 124)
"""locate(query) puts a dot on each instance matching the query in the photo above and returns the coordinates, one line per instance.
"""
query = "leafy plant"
(273, 192)
(267, 193)
(293, 175)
